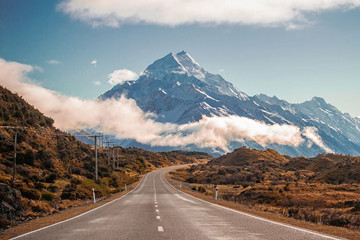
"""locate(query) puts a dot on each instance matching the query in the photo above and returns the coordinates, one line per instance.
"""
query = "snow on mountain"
(179, 90)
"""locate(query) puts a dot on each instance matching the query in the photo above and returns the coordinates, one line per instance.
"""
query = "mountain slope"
(178, 90)
(54, 170)
(322, 189)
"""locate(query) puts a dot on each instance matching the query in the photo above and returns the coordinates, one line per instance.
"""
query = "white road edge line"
(182, 198)
(82, 214)
(160, 229)
(256, 217)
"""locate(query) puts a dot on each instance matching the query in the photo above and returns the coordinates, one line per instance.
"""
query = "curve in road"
(156, 210)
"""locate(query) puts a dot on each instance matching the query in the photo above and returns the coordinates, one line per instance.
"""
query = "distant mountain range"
(179, 90)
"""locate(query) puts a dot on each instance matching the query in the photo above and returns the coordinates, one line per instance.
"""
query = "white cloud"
(125, 119)
(218, 132)
(121, 75)
(53, 62)
(291, 14)
(311, 133)
(93, 62)
(97, 83)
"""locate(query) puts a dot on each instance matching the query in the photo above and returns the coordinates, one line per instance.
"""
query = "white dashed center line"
(156, 206)
(158, 217)
(160, 229)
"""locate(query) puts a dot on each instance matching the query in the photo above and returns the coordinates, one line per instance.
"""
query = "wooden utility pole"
(14, 165)
(96, 157)
(16, 130)
(107, 151)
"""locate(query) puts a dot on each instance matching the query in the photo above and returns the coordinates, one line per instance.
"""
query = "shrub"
(69, 192)
(53, 188)
(48, 163)
(51, 178)
(201, 189)
(48, 196)
(38, 185)
(75, 181)
(30, 193)
(113, 182)
(68, 195)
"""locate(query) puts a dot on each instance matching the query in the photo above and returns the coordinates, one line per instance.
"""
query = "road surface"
(155, 210)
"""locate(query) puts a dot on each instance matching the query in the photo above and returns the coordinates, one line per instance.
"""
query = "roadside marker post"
(94, 195)
(216, 194)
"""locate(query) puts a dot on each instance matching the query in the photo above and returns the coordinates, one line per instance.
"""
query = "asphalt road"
(155, 210)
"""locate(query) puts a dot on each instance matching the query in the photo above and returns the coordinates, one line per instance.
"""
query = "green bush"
(48, 196)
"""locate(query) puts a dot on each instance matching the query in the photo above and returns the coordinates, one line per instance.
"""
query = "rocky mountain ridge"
(178, 90)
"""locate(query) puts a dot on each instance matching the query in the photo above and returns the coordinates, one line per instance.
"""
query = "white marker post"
(125, 187)
(94, 195)
(216, 193)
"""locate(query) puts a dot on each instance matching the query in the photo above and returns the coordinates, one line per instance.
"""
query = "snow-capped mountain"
(179, 90)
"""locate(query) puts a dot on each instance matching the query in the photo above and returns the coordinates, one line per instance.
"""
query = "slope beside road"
(155, 210)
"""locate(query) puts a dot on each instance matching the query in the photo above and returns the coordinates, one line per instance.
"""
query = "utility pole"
(16, 130)
(14, 166)
(117, 157)
(96, 157)
(113, 156)
(96, 160)
(107, 151)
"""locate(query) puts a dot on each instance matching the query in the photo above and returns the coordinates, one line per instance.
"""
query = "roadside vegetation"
(55, 171)
(324, 190)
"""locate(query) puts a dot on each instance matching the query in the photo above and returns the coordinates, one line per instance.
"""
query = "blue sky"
(318, 58)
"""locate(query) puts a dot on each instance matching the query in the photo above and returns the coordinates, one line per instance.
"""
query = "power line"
(16, 128)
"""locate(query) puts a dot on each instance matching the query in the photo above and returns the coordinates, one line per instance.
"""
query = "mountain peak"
(319, 100)
(179, 63)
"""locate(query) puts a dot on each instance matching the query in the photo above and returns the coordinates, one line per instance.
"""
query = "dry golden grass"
(313, 198)
(77, 208)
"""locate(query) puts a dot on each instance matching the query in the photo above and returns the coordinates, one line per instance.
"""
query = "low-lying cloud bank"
(124, 119)
(291, 14)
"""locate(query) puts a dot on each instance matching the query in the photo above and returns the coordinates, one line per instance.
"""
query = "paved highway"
(155, 210)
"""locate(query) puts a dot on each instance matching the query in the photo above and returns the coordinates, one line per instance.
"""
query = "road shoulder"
(329, 230)
(69, 213)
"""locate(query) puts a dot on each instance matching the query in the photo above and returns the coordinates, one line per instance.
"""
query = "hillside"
(324, 189)
(54, 170)
(245, 156)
